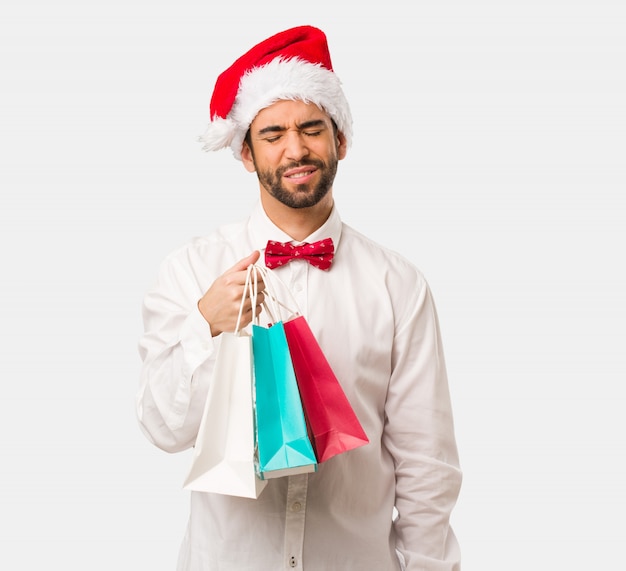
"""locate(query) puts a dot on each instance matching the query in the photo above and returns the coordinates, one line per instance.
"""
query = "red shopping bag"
(333, 425)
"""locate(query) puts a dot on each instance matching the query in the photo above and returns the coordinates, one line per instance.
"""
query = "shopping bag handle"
(250, 288)
(272, 303)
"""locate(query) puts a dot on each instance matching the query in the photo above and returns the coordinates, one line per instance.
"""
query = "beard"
(304, 195)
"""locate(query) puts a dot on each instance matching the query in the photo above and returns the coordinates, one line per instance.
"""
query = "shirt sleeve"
(419, 434)
(177, 352)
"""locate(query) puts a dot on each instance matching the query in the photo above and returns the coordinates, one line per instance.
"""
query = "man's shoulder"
(382, 256)
(206, 245)
(223, 234)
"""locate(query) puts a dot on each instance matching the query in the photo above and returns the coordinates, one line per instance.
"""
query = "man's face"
(294, 150)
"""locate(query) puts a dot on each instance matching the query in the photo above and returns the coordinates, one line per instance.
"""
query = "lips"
(300, 173)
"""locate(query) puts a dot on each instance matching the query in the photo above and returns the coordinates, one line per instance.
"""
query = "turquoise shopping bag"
(283, 444)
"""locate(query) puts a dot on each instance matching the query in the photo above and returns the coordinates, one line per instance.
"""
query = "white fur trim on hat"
(277, 80)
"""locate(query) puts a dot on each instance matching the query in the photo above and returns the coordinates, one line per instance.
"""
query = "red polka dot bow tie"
(319, 254)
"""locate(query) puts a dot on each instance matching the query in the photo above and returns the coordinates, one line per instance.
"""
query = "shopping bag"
(283, 444)
(224, 454)
(333, 425)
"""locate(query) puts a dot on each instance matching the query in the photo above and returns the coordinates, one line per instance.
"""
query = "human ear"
(342, 145)
(247, 158)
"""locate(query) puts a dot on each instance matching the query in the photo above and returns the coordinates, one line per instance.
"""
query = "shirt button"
(296, 507)
(298, 287)
(293, 562)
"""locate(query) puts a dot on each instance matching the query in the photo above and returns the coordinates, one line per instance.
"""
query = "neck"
(297, 222)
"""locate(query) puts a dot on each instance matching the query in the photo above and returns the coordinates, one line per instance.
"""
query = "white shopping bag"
(224, 454)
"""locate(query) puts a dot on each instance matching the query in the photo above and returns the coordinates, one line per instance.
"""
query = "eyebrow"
(301, 126)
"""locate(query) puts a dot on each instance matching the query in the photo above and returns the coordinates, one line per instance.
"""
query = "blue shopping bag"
(283, 443)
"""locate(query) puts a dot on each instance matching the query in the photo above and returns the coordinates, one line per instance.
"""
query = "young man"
(383, 506)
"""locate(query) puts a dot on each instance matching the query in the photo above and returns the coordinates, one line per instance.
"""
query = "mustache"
(302, 163)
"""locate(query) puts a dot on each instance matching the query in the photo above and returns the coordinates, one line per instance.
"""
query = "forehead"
(286, 113)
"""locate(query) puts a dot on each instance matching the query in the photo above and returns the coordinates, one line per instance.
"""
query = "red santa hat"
(294, 64)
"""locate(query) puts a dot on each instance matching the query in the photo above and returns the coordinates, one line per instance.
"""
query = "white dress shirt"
(375, 320)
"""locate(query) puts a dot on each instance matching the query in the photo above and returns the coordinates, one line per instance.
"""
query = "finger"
(247, 305)
(243, 264)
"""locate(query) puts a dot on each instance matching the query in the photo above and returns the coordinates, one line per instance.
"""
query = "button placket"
(294, 520)
(298, 284)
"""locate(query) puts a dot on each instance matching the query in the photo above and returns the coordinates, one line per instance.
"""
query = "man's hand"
(220, 304)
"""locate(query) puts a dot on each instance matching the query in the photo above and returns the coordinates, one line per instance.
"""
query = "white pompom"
(218, 135)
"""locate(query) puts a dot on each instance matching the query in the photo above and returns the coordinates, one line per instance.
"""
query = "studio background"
(489, 148)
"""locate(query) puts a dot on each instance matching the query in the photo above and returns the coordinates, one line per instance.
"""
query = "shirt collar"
(263, 229)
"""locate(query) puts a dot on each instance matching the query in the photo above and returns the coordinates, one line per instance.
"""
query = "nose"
(295, 146)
